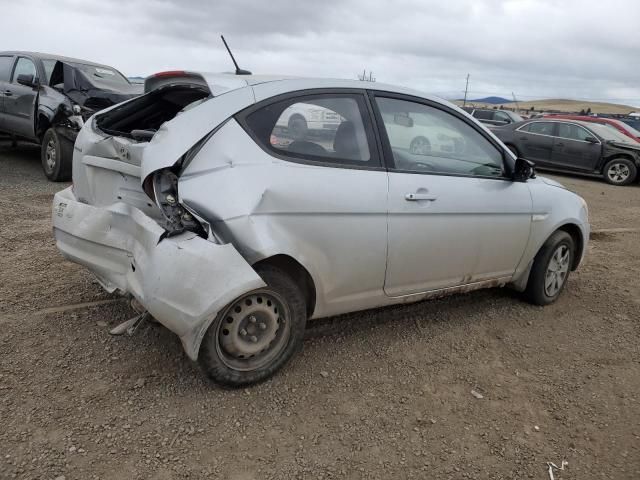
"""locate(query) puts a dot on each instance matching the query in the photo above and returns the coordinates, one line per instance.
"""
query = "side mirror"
(591, 139)
(523, 170)
(27, 80)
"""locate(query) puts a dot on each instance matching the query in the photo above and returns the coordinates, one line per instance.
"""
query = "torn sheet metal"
(177, 136)
(182, 281)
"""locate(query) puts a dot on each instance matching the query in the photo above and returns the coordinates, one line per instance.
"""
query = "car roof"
(221, 82)
(51, 56)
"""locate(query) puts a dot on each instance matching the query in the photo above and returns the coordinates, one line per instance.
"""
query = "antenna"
(239, 71)
(466, 89)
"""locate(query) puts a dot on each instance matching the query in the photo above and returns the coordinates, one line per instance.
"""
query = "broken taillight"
(177, 219)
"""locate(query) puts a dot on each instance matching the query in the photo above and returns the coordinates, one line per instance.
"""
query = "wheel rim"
(253, 331)
(557, 270)
(618, 172)
(420, 146)
(51, 155)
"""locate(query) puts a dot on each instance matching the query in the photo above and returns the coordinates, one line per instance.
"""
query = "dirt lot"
(374, 395)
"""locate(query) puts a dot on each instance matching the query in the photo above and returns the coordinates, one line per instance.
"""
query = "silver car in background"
(232, 238)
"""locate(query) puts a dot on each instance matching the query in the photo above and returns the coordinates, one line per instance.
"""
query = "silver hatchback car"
(232, 229)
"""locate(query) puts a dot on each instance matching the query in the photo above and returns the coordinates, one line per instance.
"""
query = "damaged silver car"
(232, 231)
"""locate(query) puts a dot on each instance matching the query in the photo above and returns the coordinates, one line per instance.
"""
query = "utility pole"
(516, 101)
(366, 78)
(466, 89)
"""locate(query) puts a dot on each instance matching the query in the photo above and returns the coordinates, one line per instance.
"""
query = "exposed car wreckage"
(54, 99)
(232, 242)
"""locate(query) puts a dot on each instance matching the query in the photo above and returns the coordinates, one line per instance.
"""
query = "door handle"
(416, 197)
(8, 93)
(523, 138)
(560, 144)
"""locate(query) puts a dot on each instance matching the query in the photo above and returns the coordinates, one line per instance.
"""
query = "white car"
(296, 120)
(185, 199)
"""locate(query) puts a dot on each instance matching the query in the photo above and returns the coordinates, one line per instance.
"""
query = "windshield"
(99, 76)
(630, 129)
(635, 124)
(608, 132)
(102, 75)
(48, 69)
(516, 117)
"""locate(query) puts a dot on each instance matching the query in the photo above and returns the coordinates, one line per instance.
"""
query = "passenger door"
(454, 218)
(20, 100)
(6, 64)
(572, 151)
(535, 141)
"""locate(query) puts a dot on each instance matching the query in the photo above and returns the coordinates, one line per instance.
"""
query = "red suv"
(617, 124)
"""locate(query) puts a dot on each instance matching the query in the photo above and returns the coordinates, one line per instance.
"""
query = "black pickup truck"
(46, 98)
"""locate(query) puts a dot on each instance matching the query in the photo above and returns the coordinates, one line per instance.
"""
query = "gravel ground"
(382, 394)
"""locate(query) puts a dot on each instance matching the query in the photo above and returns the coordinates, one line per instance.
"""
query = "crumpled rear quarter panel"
(183, 281)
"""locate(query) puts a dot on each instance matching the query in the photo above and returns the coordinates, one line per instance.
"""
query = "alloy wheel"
(557, 270)
(618, 172)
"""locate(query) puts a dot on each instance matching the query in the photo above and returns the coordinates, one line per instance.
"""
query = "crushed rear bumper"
(183, 281)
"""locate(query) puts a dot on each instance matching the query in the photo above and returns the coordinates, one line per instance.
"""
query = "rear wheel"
(56, 155)
(551, 269)
(256, 334)
(620, 171)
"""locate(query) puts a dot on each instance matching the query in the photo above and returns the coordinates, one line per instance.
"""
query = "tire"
(273, 317)
(547, 267)
(420, 146)
(56, 154)
(619, 171)
(297, 127)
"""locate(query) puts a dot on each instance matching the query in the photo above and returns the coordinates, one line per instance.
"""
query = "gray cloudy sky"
(587, 49)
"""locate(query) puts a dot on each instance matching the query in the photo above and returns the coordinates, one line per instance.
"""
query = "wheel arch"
(614, 156)
(297, 272)
(576, 234)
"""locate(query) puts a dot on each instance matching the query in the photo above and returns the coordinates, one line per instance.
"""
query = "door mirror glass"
(591, 139)
(27, 80)
(523, 170)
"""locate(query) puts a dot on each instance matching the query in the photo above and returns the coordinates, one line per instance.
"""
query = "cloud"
(534, 48)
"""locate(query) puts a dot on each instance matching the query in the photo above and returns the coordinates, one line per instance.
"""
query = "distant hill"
(558, 105)
(491, 100)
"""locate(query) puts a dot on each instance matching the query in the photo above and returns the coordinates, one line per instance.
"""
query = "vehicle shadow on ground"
(420, 314)
(23, 151)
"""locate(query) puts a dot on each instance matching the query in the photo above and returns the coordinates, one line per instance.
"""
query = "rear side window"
(332, 128)
(541, 128)
(5, 68)
(23, 67)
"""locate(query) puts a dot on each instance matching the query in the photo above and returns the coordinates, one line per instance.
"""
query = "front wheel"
(256, 334)
(620, 171)
(56, 156)
(551, 268)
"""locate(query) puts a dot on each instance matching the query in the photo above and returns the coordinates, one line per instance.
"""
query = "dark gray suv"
(46, 98)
